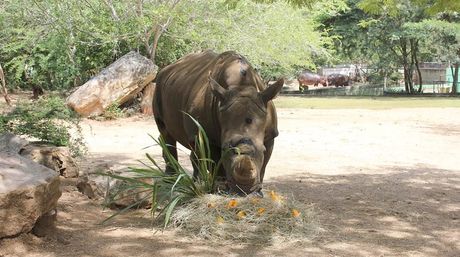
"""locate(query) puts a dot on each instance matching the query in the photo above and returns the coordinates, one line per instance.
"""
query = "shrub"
(47, 120)
(113, 112)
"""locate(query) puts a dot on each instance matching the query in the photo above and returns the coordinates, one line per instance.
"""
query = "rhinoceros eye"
(248, 121)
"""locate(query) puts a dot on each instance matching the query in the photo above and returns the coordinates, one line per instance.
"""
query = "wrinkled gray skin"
(228, 98)
(338, 80)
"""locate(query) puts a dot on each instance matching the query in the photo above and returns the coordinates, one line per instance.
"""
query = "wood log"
(147, 99)
(4, 90)
(117, 83)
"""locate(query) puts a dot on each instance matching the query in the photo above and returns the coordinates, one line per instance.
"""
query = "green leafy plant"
(112, 112)
(47, 120)
(169, 190)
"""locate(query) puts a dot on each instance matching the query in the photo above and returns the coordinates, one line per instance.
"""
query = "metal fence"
(358, 89)
(430, 87)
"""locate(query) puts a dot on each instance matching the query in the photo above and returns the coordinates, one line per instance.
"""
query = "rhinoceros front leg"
(268, 153)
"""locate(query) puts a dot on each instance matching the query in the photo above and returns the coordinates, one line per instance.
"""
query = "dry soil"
(382, 182)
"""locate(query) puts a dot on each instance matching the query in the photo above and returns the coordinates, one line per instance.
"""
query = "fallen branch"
(4, 90)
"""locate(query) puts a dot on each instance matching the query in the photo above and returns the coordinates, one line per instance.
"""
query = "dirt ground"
(382, 182)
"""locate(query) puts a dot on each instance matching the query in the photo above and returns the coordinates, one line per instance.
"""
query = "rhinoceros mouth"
(243, 189)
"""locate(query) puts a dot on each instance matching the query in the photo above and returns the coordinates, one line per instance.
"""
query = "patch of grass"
(365, 102)
(113, 112)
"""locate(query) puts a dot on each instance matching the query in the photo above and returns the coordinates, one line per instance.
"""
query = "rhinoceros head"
(242, 115)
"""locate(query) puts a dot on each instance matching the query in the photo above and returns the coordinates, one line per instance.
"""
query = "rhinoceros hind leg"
(172, 149)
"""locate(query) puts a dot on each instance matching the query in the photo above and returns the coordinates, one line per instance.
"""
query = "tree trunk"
(147, 99)
(156, 38)
(411, 68)
(37, 91)
(159, 30)
(414, 46)
(4, 90)
(385, 78)
(455, 79)
(407, 73)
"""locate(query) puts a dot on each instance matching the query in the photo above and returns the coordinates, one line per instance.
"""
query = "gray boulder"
(28, 190)
(57, 158)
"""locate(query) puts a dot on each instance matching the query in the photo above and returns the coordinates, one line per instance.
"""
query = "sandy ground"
(382, 182)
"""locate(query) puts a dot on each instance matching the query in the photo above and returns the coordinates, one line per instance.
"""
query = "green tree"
(60, 44)
(384, 33)
(276, 42)
(442, 40)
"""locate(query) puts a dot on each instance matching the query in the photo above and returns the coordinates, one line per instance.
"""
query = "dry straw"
(255, 220)
(192, 204)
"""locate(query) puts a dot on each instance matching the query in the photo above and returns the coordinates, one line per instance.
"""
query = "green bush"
(112, 112)
(47, 120)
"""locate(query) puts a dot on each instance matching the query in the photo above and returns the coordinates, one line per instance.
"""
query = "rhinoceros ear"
(217, 89)
(270, 92)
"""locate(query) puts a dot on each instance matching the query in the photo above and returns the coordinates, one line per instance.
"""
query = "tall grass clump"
(191, 205)
(169, 190)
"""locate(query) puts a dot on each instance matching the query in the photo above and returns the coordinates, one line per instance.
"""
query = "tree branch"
(109, 4)
(5, 91)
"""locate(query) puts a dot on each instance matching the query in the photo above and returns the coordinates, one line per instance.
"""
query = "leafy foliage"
(392, 7)
(112, 112)
(61, 44)
(48, 120)
(389, 35)
(277, 38)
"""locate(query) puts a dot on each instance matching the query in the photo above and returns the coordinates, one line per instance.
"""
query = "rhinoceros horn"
(245, 170)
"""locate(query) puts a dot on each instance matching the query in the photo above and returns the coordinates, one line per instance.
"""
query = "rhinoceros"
(224, 93)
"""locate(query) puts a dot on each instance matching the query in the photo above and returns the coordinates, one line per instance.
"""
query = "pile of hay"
(253, 219)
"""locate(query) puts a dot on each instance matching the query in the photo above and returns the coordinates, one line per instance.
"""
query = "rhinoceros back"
(183, 87)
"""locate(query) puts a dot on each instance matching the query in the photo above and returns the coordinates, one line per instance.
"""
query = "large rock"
(121, 195)
(57, 158)
(28, 190)
(117, 83)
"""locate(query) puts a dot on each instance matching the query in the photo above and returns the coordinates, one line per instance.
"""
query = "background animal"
(307, 78)
(338, 80)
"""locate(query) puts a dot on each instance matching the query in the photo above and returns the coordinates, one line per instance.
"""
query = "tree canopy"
(388, 35)
(60, 44)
